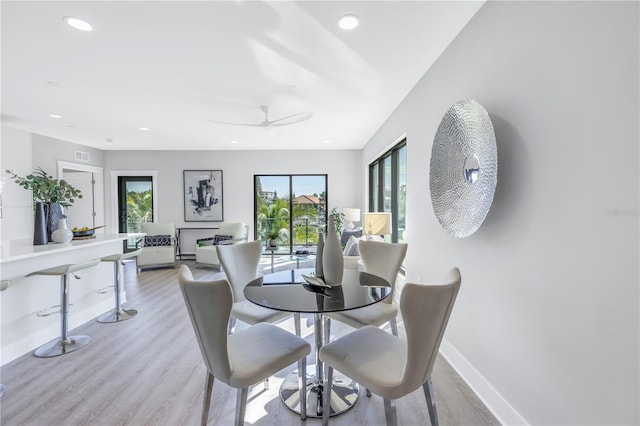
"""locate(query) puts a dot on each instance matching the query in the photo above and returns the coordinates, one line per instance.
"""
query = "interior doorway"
(88, 210)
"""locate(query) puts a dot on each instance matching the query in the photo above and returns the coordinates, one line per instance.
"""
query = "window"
(387, 188)
(291, 208)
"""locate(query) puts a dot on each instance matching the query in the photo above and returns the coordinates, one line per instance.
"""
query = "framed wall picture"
(203, 196)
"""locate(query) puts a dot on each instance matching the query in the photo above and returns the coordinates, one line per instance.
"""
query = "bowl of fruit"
(85, 231)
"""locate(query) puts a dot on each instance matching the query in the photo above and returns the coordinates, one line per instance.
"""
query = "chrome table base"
(60, 346)
(344, 393)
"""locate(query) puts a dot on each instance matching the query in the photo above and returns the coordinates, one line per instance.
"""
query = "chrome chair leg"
(326, 397)
(241, 405)
(431, 401)
(232, 325)
(327, 330)
(302, 385)
(208, 387)
(394, 326)
(296, 323)
(390, 412)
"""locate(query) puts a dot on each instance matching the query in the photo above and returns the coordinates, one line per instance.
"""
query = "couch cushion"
(157, 240)
(217, 239)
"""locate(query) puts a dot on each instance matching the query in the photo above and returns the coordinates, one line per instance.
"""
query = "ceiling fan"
(284, 121)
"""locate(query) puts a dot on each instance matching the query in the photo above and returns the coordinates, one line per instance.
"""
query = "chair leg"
(241, 405)
(327, 330)
(231, 326)
(302, 385)
(296, 323)
(326, 397)
(431, 401)
(394, 326)
(390, 412)
(208, 387)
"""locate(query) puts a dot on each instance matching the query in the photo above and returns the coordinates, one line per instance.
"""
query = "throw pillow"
(217, 239)
(354, 250)
(157, 240)
(347, 233)
(350, 242)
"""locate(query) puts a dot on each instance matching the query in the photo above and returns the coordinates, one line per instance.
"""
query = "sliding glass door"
(135, 204)
(291, 208)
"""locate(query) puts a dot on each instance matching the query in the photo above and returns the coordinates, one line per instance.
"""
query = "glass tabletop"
(288, 291)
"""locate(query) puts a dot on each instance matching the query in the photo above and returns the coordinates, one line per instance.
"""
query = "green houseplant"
(46, 189)
(49, 196)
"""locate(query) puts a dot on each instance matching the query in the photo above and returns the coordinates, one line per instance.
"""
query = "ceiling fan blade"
(290, 119)
(263, 124)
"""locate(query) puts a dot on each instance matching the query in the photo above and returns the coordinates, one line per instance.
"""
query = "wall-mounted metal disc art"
(464, 168)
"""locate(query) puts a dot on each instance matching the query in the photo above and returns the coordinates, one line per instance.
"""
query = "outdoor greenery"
(46, 189)
(139, 209)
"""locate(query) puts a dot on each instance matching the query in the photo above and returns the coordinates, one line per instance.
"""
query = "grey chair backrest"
(383, 260)
(425, 311)
(209, 306)
(240, 264)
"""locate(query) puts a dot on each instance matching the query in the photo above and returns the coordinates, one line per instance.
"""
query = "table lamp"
(350, 216)
(376, 223)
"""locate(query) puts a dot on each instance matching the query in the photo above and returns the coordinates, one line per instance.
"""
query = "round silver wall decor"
(464, 168)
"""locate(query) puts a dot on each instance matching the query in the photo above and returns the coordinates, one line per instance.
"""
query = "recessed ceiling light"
(78, 24)
(54, 116)
(327, 141)
(145, 129)
(234, 142)
(348, 22)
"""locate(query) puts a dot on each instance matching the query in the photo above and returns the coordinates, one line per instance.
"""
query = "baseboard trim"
(498, 406)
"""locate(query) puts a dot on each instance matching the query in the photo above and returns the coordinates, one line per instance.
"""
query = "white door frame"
(115, 174)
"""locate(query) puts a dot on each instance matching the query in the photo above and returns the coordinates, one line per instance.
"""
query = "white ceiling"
(174, 66)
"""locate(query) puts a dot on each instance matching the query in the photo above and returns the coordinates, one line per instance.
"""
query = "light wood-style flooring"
(149, 371)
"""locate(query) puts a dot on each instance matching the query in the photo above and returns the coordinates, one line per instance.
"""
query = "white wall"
(238, 168)
(546, 326)
(16, 220)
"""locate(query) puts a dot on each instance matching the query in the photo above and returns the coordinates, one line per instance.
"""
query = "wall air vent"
(82, 156)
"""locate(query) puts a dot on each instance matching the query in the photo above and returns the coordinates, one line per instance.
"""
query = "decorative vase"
(62, 234)
(332, 259)
(54, 214)
(319, 273)
(40, 226)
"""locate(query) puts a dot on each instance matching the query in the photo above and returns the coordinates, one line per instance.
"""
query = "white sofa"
(206, 254)
(159, 245)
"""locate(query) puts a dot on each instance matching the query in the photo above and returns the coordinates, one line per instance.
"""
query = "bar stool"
(64, 344)
(117, 313)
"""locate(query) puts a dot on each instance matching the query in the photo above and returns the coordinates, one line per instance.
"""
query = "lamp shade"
(378, 223)
(351, 215)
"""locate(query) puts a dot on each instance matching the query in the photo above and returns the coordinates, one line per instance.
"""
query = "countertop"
(24, 249)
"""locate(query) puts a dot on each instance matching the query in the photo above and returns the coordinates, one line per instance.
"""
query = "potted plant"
(49, 196)
(272, 237)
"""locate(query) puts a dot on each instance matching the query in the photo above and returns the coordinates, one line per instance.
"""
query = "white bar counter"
(21, 330)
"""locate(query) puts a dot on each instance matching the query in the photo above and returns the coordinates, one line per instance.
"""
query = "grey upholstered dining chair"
(243, 358)
(240, 264)
(384, 260)
(406, 365)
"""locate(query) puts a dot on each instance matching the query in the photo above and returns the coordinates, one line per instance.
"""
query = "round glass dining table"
(289, 291)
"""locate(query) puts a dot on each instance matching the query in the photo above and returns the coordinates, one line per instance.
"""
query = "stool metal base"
(116, 316)
(61, 346)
